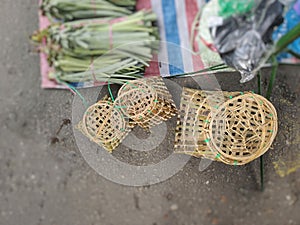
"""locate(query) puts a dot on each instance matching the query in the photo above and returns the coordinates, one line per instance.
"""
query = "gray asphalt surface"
(44, 180)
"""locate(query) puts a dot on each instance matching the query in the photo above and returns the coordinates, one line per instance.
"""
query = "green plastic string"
(207, 140)
(209, 69)
(110, 92)
(74, 90)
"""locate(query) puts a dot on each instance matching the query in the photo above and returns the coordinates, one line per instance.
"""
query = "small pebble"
(174, 207)
(291, 199)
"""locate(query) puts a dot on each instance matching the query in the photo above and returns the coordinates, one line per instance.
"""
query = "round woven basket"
(242, 129)
(146, 101)
(136, 100)
(105, 125)
(232, 127)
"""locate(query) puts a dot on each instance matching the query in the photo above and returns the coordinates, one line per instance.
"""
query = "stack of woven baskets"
(232, 127)
(143, 102)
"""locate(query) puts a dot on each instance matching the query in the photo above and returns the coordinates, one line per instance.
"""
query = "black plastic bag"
(242, 40)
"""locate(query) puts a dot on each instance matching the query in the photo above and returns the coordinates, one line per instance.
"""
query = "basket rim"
(84, 124)
(121, 94)
(265, 144)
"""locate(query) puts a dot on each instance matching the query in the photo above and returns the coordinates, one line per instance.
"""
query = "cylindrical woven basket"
(194, 108)
(146, 101)
(135, 100)
(233, 127)
(105, 125)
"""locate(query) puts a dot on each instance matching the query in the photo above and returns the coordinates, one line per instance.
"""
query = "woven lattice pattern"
(105, 125)
(232, 127)
(146, 101)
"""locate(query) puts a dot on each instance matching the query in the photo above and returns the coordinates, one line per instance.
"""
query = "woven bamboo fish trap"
(146, 101)
(105, 125)
(233, 127)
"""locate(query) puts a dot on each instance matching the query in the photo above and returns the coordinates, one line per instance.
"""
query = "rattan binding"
(232, 127)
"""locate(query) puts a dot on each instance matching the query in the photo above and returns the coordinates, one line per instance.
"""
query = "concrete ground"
(45, 180)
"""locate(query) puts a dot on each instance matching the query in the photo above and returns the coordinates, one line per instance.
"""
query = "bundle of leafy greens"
(98, 49)
(68, 10)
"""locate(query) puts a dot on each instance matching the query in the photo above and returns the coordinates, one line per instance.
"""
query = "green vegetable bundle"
(124, 3)
(68, 10)
(97, 49)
